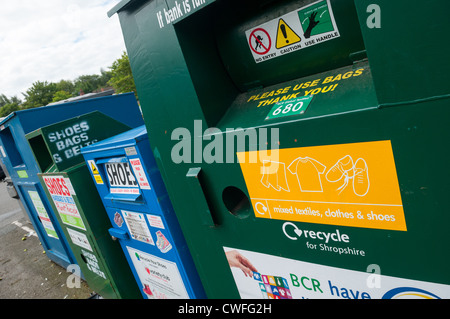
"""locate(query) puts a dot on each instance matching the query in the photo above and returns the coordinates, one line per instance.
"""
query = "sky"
(51, 40)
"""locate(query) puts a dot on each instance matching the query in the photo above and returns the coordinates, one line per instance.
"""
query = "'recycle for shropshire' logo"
(293, 232)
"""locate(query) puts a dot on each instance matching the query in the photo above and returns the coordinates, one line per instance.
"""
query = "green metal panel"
(92, 252)
(245, 73)
(198, 73)
(69, 187)
(412, 63)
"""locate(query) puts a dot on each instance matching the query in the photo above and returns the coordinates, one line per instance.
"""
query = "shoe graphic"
(338, 170)
(361, 181)
(346, 170)
(342, 168)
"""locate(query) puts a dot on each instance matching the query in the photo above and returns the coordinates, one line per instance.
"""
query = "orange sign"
(347, 184)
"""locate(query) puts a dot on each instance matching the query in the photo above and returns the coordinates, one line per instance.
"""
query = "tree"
(8, 105)
(105, 76)
(91, 82)
(86, 83)
(4, 100)
(61, 95)
(121, 76)
(9, 108)
(67, 86)
(40, 94)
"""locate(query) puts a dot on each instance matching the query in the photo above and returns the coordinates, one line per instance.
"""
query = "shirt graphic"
(308, 171)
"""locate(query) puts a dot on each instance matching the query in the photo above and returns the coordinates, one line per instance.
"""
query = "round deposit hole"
(236, 201)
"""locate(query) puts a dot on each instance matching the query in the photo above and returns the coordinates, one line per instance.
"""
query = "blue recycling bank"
(23, 168)
(143, 221)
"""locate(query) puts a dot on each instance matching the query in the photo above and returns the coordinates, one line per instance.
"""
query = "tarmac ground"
(25, 270)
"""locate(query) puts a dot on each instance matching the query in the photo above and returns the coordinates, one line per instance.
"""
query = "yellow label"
(285, 35)
(98, 179)
(94, 168)
(347, 184)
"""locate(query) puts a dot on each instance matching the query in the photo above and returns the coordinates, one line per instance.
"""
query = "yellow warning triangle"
(94, 169)
(285, 35)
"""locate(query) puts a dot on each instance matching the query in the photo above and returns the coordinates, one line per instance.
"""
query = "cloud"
(55, 39)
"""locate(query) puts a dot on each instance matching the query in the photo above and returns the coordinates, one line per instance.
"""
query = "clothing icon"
(347, 170)
(274, 174)
(308, 171)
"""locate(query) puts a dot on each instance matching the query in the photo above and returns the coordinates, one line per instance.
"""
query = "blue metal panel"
(142, 216)
(23, 168)
(34, 200)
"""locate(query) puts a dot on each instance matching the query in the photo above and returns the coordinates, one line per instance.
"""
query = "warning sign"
(95, 172)
(260, 41)
(316, 19)
(347, 184)
(296, 30)
(285, 35)
(94, 167)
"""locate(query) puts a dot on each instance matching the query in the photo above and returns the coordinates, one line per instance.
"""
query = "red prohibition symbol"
(256, 41)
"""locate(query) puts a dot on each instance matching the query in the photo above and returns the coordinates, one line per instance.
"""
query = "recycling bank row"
(287, 149)
(108, 212)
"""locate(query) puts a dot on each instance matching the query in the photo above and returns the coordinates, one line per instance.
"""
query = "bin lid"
(118, 7)
(35, 118)
(122, 4)
(58, 146)
(127, 138)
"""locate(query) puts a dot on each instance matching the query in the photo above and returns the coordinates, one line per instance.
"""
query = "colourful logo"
(273, 287)
(409, 292)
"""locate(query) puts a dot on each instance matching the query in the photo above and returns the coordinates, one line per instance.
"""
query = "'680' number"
(284, 109)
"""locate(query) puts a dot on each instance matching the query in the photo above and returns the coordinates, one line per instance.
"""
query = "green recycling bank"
(302, 143)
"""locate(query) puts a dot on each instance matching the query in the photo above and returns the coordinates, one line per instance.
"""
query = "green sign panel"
(22, 174)
(290, 107)
(316, 19)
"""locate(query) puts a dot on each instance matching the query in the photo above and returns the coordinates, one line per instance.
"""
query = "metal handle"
(118, 234)
(200, 201)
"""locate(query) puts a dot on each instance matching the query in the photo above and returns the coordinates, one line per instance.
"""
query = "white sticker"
(61, 192)
(155, 221)
(138, 227)
(162, 242)
(139, 172)
(160, 278)
(130, 151)
(69, 186)
(296, 30)
(121, 179)
(3, 151)
(43, 215)
(274, 277)
(79, 239)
